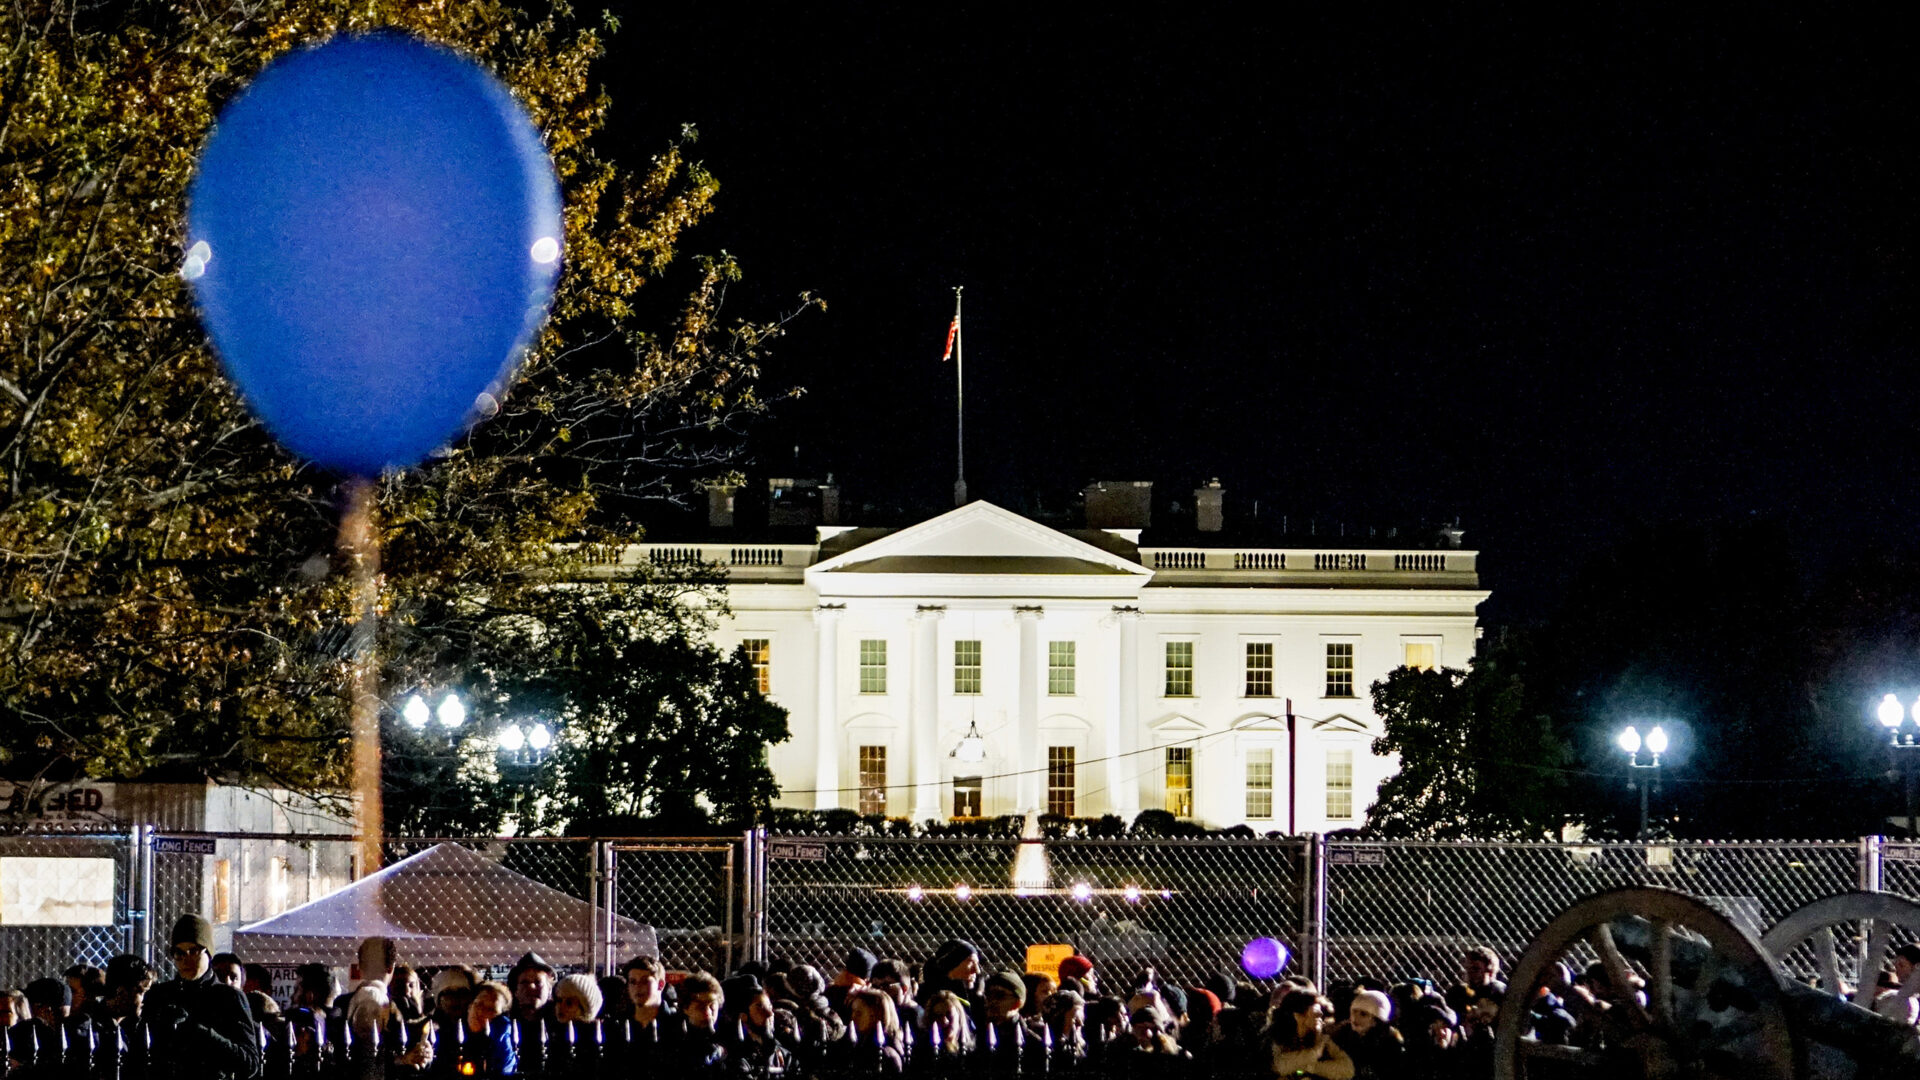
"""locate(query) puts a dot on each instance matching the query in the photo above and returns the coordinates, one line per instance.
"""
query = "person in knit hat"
(854, 972)
(200, 1028)
(1369, 1038)
(1080, 967)
(576, 997)
(954, 967)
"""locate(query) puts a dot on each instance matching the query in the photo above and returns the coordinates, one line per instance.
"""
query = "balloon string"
(360, 546)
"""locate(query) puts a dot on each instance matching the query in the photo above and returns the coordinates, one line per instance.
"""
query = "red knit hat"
(1076, 967)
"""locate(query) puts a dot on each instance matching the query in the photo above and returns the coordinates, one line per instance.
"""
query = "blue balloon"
(1263, 958)
(373, 236)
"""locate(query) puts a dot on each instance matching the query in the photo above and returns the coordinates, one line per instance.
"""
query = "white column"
(924, 718)
(826, 751)
(1026, 723)
(1126, 717)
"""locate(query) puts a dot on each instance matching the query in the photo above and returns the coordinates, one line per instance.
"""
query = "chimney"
(1209, 506)
(720, 505)
(1119, 504)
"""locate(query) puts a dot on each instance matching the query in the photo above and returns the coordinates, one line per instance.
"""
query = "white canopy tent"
(445, 905)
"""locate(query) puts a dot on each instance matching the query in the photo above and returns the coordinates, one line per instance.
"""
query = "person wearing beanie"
(854, 972)
(1002, 1037)
(200, 1028)
(954, 967)
(576, 997)
(1375, 1045)
(1080, 967)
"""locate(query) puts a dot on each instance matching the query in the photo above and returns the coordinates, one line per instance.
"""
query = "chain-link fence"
(1398, 910)
(1347, 908)
(1186, 907)
(63, 901)
(690, 891)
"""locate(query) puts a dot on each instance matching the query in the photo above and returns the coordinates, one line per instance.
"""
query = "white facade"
(1082, 647)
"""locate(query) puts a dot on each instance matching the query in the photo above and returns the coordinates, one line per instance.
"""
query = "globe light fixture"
(972, 747)
(452, 712)
(1904, 741)
(415, 712)
(1631, 743)
(511, 739)
(539, 737)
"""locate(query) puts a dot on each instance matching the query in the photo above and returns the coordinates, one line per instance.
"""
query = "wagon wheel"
(1715, 1006)
(1821, 922)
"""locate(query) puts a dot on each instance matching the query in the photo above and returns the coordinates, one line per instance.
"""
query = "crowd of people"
(951, 1017)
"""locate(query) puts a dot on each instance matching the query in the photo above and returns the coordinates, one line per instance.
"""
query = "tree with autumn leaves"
(170, 601)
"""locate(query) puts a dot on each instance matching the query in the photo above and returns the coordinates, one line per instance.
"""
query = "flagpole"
(959, 403)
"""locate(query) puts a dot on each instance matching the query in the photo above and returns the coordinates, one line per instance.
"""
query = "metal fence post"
(756, 920)
(1314, 914)
(146, 893)
(609, 902)
(136, 915)
(591, 957)
(1871, 879)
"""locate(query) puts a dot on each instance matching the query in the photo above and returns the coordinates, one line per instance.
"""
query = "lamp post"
(1902, 743)
(1655, 744)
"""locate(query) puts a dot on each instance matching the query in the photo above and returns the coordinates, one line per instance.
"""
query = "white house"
(1101, 676)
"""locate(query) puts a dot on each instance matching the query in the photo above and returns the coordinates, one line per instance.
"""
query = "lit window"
(1179, 669)
(1340, 669)
(966, 667)
(223, 890)
(1259, 669)
(760, 655)
(279, 883)
(1060, 668)
(966, 796)
(1180, 781)
(873, 780)
(1259, 784)
(873, 667)
(1339, 785)
(1419, 655)
(1060, 780)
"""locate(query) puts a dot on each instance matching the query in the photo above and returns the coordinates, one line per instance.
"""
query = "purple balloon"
(373, 236)
(1263, 958)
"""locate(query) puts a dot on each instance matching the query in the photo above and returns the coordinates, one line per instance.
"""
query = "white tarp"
(446, 905)
(41, 890)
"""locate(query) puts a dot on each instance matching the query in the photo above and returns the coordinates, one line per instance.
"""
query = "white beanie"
(1375, 1002)
(583, 987)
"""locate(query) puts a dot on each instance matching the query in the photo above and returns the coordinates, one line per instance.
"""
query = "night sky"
(1552, 279)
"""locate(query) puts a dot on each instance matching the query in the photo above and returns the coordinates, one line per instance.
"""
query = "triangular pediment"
(981, 539)
(1341, 724)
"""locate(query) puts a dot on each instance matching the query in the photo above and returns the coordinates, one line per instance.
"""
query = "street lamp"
(1655, 744)
(524, 745)
(452, 712)
(1901, 743)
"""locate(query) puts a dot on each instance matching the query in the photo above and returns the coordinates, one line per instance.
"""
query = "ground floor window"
(873, 780)
(1260, 784)
(1180, 781)
(1339, 785)
(1060, 780)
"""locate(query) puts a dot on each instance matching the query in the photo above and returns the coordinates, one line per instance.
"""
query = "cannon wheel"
(1820, 921)
(1680, 1031)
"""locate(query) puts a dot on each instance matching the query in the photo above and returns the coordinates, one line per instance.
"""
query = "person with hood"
(201, 1029)
(1370, 1039)
(1065, 1014)
(816, 1021)
(954, 967)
